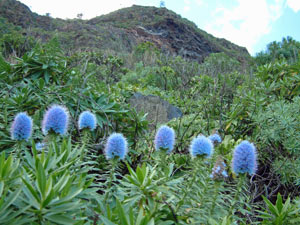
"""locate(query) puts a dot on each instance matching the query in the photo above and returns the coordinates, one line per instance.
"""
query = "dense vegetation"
(69, 179)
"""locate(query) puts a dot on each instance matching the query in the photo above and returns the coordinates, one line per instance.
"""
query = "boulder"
(158, 110)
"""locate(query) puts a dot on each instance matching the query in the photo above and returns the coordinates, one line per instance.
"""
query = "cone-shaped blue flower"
(21, 128)
(215, 138)
(40, 146)
(201, 145)
(87, 120)
(56, 119)
(165, 138)
(244, 158)
(116, 146)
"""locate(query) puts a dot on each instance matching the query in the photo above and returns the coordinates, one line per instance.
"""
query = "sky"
(249, 23)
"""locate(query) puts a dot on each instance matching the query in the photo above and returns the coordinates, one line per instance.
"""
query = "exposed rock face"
(158, 110)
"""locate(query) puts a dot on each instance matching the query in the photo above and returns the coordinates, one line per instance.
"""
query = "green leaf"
(69, 197)
(31, 190)
(121, 212)
(140, 175)
(140, 217)
(62, 182)
(271, 206)
(7, 167)
(12, 197)
(1, 187)
(60, 219)
(41, 179)
(49, 198)
(279, 204)
(106, 221)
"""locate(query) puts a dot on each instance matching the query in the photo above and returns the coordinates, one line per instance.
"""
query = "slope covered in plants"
(122, 30)
(74, 151)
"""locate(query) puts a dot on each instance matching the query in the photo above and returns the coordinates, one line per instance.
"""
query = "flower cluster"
(165, 139)
(244, 158)
(201, 145)
(215, 138)
(40, 146)
(87, 120)
(56, 119)
(21, 128)
(116, 146)
(219, 170)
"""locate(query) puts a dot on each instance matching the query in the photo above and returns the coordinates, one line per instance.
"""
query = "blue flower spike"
(116, 146)
(165, 139)
(219, 170)
(244, 158)
(87, 120)
(40, 146)
(56, 120)
(201, 146)
(21, 128)
(215, 138)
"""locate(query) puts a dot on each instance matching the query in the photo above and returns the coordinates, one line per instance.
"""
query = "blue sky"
(249, 23)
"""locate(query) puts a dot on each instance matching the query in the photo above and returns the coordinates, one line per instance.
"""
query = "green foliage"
(287, 49)
(45, 187)
(15, 44)
(43, 77)
(70, 182)
(279, 80)
(220, 63)
(45, 62)
(280, 213)
(278, 128)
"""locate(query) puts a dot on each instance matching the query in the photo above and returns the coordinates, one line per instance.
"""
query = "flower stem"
(114, 163)
(237, 193)
(189, 186)
(19, 149)
(85, 140)
(217, 187)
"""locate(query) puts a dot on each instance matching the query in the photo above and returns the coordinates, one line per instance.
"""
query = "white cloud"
(199, 2)
(70, 8)
(294, 5)
(186, 8)
(246, 23)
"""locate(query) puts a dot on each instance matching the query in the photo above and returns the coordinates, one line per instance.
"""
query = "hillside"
(99, 126)
(123, 30)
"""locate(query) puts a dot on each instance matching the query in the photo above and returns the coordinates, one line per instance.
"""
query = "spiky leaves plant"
(87, 122)
(244, 162)
(116, 149)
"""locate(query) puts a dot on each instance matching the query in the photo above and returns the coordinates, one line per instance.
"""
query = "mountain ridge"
(124, 29)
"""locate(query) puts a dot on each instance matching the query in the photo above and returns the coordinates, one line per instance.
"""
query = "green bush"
(277, 133)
